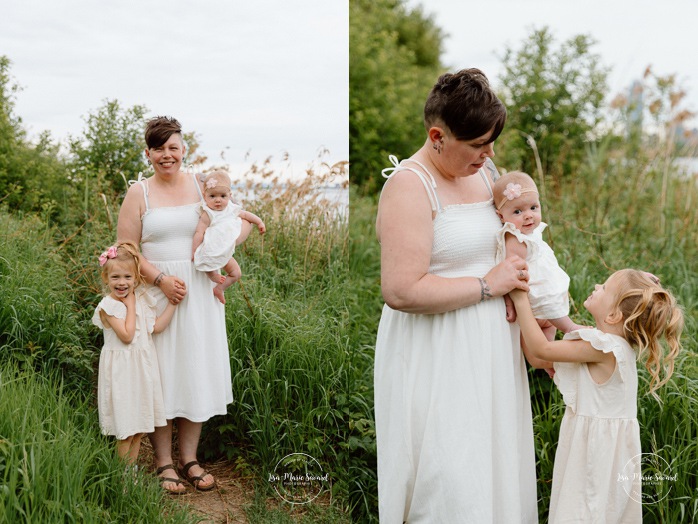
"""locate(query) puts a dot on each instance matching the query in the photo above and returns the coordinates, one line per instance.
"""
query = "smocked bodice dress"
(452, 407)
(193, 350)
(129, 395)
(596, 476)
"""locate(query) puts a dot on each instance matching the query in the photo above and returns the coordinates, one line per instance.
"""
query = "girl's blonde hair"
(216, 178)
(125, 252)
(649, 313)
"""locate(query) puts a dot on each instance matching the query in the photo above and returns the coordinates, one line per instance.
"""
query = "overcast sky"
(631, 34)
(263, 76)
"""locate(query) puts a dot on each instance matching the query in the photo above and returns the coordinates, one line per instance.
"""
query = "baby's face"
(217, 198)
(524, 212)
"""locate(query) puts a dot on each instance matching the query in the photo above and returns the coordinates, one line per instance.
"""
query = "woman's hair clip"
(109, 253)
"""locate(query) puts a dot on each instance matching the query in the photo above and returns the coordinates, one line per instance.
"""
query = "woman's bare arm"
(405, 230)
(129, 229)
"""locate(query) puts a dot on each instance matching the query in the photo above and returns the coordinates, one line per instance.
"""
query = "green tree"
(553, 95)
(32, 175)
(393, 62)
(110, 150)
(11, 134)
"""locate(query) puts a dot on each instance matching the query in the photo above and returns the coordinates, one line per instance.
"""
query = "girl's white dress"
(129, 394)
(193, 350)
(548, 283)
(219, 240)
(596, 464)
(452, 406)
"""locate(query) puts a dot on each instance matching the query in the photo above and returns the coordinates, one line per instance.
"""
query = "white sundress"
(452, 406)
(129, 395)
(193, 350)
(548, 283)
(219, 239)
(599, 436)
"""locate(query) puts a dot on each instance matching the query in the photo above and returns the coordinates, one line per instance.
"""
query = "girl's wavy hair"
(125, 252)
(650, 313)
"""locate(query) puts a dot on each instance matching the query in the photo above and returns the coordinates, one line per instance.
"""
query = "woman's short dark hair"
(466, 105)
(158, 130)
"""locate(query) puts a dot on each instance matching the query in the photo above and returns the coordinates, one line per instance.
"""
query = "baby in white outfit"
(217, 233)
(518, 206)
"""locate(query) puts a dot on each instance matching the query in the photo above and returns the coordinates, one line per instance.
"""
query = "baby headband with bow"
(211, 183)
(513, 191)
(109, 253)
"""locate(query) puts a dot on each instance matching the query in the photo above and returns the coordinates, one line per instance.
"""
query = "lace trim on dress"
(566, 373)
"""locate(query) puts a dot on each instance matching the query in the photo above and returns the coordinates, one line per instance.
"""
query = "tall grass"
(56, 467)
(614, 213)
(39, 323)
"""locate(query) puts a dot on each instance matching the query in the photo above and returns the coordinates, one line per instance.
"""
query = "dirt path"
(223, 504)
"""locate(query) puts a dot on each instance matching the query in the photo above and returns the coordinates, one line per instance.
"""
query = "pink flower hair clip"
(213, 182)
(512, 191)
(109, 253)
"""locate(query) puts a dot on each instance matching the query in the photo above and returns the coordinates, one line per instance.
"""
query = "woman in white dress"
(161, 214)
(453, 415)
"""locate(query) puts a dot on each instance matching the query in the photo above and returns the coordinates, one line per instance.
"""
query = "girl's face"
(524, 212)
(466, 157)
(217, 198)
(601, 301)
(121, 278)
(167, 159)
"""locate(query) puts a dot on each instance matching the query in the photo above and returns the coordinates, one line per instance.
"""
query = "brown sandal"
(195, 481)
(169, 479)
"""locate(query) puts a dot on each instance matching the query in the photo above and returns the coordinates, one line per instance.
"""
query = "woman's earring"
(437, 146)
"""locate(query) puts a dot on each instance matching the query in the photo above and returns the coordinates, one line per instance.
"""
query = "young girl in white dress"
(518, 206)
(596, 476)
(129, 392)
(216, 235)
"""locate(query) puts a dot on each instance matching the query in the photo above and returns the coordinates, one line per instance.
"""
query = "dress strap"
(144, 184)
(489, 166)
(428, 183)
(198, 187)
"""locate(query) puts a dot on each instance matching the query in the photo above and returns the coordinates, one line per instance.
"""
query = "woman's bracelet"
(158, 279)
(485, 292)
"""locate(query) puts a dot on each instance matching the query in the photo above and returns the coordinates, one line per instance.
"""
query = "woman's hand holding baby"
(510, 274)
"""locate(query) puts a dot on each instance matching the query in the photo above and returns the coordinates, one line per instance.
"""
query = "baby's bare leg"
(565, 324)
(215, 276)
(548, 329)
(232, 268)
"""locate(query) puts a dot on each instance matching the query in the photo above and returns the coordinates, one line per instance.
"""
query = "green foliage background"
(393, 61)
